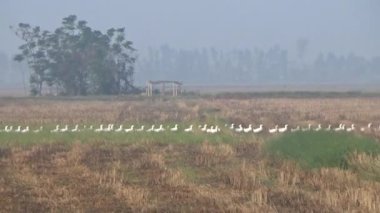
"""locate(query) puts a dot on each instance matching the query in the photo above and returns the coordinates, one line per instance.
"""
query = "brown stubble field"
(102, 176)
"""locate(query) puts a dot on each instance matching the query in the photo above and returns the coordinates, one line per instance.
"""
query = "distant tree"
(77, 59)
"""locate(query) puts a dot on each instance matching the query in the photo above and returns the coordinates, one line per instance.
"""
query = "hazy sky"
(341, 26)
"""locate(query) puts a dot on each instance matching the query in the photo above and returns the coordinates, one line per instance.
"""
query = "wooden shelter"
(175, 87)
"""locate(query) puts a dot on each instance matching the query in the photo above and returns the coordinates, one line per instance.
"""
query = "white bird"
(340, 128)
(65, 129)
(328, 128)
(38, 130)
(100, 129)
(9, 129)
(239, 129)
(56, 129)
(175, 128)
(213, 130)
(319, 128)
(76, 128)
(248, 129)
(109, 128)
(259, 129)
(130, 129)
(151, 129)
(350, 129)
(159, 129)
(190, 129)
(18, 129)
(204, 128)
(140, 129)
(274, 130)
(364, 128)
(119, 129)
(308, 128)
(295, 129)
(284, 129)
(26, 130)
(232, 126)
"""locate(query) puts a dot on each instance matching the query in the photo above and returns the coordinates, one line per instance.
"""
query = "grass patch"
(321, 149)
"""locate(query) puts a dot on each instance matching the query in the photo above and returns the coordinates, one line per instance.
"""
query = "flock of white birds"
(212, 129)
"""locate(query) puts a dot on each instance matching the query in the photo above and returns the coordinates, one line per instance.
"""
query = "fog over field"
(220, 42)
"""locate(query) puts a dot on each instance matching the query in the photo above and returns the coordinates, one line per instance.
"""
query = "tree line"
(258, 66)
(76, 59)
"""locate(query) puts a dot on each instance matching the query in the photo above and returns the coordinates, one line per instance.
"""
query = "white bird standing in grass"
(341, 127)
(26, 130)
(350, 129)
(248, 129)
(328, 128)
(100, 129)
(65, 129)
(368, 127)
(175, 128)
(130, 129)
(119, 129)
(213, 130)
(140, 129)
(232, 126)
(38, 130)
(319, 128)
(295, 129)
(190, 129)
(239, 129)
(284, 129)
(9, 129)
(274, 130)
(151, 129)
(259, 129)
(56, 129)
(18, 129)
(308, 128)
(159, 129)
(76, 128)
(204, 128)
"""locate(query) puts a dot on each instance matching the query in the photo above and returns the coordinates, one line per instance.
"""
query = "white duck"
(140, 129)
(239, 129)
(328, 128)
(350, 129)
(100, 129)
(130, 129)
(274, 130)
(56, 129)
(319, 128)
(308, 128)
(283, 129)
(190, 129)
(339, 128)
(9, 129)
(368, 127)
(26, 130)
(160, 129)
(76, 128)
(295, 129)
(204, 128)
(18, 129)
(65, 129)
(119, 129)
(175, 128)
(38, 130)
(151, 129)
(259, 129)
(232, 126)
(248, 129)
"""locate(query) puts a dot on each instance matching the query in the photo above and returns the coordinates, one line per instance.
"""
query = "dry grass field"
(232, 174)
